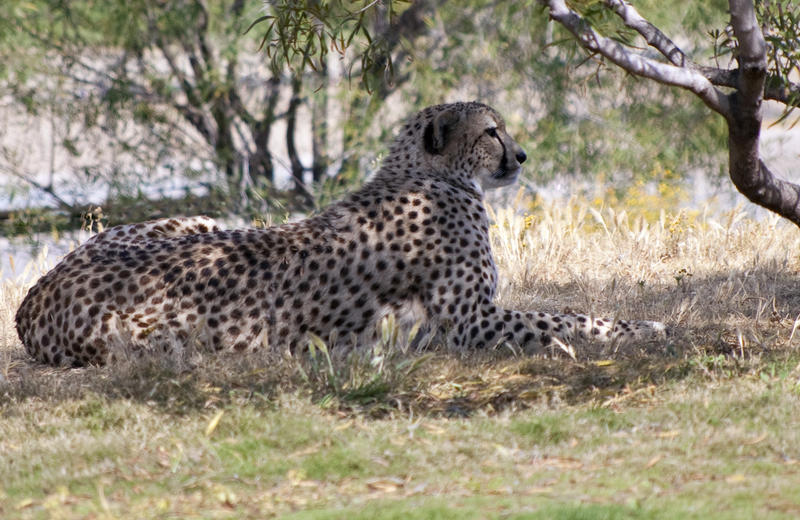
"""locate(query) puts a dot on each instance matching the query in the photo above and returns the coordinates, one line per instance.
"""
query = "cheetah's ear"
(436, 133)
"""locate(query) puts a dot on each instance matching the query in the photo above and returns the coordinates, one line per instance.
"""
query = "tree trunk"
(748, 172)
(223, 143)
(299, 187)
(261, 168)
(319, 129)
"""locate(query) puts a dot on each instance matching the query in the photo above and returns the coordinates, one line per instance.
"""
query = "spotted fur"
(414, 238)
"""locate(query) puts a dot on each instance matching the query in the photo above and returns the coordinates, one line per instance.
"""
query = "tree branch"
(48, 189)
(194, 116)
(636, 64)
(652, 34)
(787, 95)
(201, 33)
(189, 111)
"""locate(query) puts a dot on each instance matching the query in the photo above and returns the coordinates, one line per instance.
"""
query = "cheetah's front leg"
(485, 324)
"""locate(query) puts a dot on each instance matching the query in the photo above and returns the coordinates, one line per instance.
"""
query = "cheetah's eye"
(491, 132)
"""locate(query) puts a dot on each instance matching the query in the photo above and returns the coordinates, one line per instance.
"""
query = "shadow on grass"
(476, 507)
(724, 325)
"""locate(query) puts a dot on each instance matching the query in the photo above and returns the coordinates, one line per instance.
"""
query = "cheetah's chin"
(503, 173)
(504, 177)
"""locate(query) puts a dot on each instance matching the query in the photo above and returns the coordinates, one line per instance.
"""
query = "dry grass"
(669, 429)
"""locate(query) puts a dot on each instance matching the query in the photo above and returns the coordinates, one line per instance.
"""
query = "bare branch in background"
(12, 171)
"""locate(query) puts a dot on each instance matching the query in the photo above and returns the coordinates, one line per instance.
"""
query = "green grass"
(673, 451)
(705, 424)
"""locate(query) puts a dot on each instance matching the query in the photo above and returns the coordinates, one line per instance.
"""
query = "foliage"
(301, 34)
(142, 93)
(509, 55)
(179, 90)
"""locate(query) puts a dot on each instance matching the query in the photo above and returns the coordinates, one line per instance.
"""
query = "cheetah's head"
(471, 138)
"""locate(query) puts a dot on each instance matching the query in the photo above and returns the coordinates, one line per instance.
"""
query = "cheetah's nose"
(521, 157)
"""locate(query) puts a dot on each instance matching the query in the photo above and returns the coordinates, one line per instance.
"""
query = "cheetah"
(414, 239)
